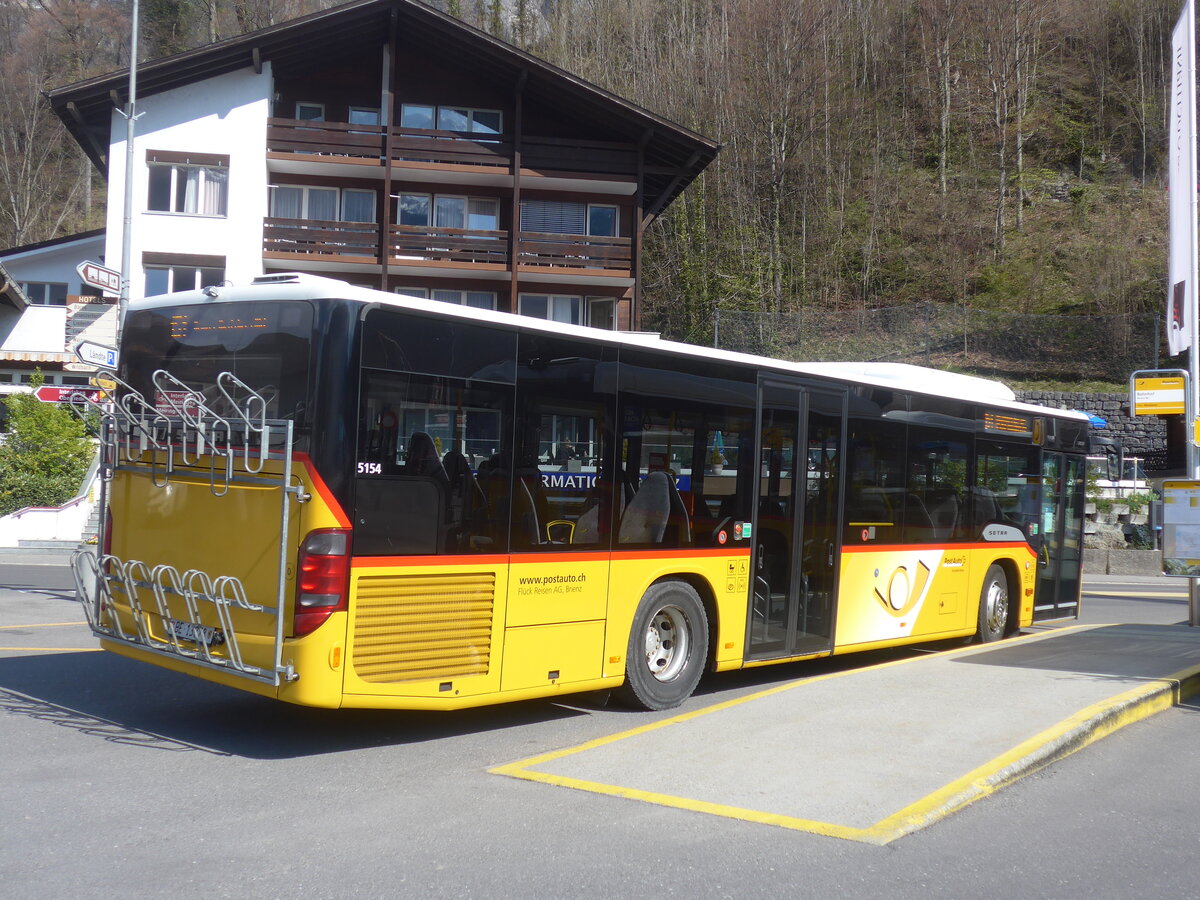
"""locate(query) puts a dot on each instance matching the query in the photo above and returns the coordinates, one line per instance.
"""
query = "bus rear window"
(266, 345)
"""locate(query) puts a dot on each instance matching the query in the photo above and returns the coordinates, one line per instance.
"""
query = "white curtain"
(215, 193)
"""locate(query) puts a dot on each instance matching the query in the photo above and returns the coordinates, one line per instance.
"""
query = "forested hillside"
(979, 155)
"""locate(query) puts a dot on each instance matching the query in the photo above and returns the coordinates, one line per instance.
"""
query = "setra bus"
(341, 497)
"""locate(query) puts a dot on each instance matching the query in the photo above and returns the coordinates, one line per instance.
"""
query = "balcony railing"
(322, 239)
(359, 242)
(331, 141)
(574, 251)
(448, 244)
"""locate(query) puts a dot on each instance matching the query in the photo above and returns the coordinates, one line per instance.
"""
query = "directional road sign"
(50, 393)
(96, 354)
(98, 276)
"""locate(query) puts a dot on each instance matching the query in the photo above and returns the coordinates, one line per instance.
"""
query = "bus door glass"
(797, 520)
(1061, 527)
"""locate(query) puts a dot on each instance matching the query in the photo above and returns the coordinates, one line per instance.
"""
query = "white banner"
(1181, 291)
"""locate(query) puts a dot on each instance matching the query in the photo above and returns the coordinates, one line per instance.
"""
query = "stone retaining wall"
(1122, 562)
(1144, 436)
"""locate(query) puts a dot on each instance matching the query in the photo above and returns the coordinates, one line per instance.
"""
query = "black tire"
(994, 606)
(668, 645)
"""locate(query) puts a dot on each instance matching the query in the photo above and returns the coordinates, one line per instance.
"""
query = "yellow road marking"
(40, 625)
(1063, 739)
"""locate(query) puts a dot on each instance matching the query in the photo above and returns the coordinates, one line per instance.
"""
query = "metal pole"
(130, 130)
(1194, 312)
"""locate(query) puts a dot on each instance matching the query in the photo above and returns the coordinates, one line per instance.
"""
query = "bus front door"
(796, 529)
(1061, 527)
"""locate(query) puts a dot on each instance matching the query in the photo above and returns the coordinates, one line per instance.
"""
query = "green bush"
(44, 453)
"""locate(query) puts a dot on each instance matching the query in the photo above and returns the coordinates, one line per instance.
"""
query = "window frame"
(616, 211)
(550, 305)
(175, 168)
(338, 202)
(312, 105)
(45, 297)
(463, 296)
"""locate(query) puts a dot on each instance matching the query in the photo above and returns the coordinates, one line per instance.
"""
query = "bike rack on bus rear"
(169, 437)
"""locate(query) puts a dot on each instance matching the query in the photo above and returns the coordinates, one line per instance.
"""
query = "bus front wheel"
(667, 647)
(993, 606)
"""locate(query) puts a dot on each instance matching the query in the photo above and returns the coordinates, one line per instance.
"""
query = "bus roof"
(895, 376)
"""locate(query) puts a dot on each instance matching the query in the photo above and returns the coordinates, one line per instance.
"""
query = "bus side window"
(563, 484)
(936, 493)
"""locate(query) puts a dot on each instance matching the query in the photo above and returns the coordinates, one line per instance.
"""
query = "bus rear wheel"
(993, 606)
(667, 647)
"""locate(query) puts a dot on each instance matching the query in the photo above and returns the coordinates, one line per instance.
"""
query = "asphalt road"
(124, 779)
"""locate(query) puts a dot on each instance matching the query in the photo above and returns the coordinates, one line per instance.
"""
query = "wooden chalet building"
(391, 145)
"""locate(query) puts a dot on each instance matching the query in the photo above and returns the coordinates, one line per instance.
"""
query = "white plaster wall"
(56, 263)
(225, 114)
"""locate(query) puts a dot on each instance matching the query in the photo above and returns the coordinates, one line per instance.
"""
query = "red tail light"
(322, 578)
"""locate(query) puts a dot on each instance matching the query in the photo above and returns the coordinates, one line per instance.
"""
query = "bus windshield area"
(266, 345)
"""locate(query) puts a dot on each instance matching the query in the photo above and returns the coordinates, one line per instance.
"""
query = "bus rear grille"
(423, 627)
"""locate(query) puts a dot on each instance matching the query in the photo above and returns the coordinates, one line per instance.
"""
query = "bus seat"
(942, 505)
(526, 526)
(678, 519)
(587, 526)
(645, 518)
(422, 458)
(917, 524)
(467, 502)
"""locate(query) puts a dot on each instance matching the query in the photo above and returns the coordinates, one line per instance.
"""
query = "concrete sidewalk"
(873, 754)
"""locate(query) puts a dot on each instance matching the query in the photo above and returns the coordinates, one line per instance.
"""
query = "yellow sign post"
(1158, 393)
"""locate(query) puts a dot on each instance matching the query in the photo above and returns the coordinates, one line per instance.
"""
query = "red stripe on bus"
(377, 562)
(322, 489)
(981, 545)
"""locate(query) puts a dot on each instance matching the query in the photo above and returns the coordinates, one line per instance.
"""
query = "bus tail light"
(322, 578)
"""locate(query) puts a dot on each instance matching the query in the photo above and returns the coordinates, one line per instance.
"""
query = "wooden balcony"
(571, 251)
(358, 243)
(339, 142)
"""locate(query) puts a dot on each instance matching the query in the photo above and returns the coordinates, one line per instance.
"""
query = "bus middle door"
(797, 524)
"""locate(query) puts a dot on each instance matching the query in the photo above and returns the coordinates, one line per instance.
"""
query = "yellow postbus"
(346, 498)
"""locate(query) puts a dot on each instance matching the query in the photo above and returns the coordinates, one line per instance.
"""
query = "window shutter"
(554, 217)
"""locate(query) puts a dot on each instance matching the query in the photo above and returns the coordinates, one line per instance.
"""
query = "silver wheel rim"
(997, 608)
(668, 643)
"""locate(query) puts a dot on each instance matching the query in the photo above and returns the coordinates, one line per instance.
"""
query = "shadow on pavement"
(1114, 651)
(128, 702)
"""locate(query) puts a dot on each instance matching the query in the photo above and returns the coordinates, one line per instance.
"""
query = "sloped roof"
(674, 155)
(10, 291)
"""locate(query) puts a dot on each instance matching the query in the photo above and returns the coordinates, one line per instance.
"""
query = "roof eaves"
(237, 52)
(10, 291)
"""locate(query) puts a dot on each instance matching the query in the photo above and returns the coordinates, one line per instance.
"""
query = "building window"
(191, 190)
(554, 307)
(473, 299)
(364, 115)
(422, 293)
(358, 205)
(602, 220)
(468, 213)
(451, 118)
(310, 112)
(602, 313)
(173, 279)
(45, 293)
(567, 217)
(314, 203)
